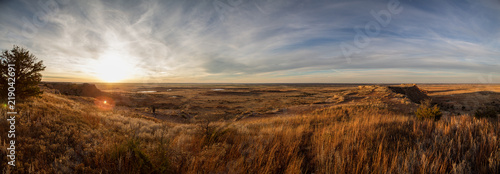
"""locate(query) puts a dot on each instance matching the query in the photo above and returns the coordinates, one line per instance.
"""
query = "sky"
(258, 41)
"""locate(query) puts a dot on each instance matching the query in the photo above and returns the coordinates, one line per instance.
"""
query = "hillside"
(365, 129)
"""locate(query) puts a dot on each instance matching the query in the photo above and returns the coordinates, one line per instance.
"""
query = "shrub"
(427, 111)
(486, 112)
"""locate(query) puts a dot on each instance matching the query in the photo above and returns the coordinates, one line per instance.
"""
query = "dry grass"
(58, 134)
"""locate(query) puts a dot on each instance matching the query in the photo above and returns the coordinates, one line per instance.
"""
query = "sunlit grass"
(60, 134)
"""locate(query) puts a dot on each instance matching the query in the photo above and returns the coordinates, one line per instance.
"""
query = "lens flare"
(104, 103)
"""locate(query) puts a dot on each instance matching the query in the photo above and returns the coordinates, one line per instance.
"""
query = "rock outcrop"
(85, 89)
(412, 92)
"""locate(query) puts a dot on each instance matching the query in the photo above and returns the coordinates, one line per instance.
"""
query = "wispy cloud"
(256, 41)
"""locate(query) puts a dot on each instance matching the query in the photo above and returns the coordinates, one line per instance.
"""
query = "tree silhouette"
(27, 73)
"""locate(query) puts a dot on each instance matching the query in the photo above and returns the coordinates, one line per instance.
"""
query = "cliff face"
(86, 90)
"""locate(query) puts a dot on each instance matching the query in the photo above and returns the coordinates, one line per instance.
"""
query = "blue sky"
(238, 41)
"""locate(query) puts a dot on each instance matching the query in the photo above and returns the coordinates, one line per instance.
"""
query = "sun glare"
(114, 67)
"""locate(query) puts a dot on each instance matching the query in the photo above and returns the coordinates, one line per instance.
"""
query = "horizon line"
(392, 83)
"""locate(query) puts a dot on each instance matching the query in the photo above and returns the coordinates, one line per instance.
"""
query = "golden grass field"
(250, 128)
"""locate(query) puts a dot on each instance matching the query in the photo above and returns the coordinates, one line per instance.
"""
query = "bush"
(486, 112)
(427, 111)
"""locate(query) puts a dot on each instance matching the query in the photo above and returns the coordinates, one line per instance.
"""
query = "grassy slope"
(69, 134)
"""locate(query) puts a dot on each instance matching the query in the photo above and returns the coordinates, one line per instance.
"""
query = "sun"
(113, 67)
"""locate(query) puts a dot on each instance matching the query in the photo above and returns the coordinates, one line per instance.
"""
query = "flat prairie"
(236, 101)
(463, 99)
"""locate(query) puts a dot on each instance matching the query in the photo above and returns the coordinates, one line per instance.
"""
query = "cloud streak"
(252, 41)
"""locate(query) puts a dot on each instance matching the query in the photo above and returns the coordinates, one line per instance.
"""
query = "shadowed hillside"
(414, 93)
(85, 89)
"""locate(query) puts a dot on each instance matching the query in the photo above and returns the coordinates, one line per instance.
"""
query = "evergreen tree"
(27, 73)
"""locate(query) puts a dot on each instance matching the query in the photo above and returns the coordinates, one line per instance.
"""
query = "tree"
(26, 77)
